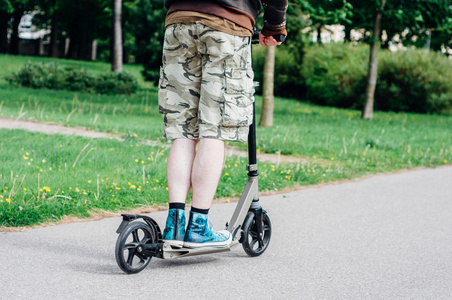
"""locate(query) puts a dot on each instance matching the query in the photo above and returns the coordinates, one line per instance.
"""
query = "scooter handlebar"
(279, 37)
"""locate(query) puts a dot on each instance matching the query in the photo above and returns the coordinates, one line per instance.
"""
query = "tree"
(116, 65)
(267, 94)
(5, 10)
(368, 108)
(394, 17)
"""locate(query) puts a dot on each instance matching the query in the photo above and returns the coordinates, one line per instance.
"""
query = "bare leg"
(179, 169)
(206, 172)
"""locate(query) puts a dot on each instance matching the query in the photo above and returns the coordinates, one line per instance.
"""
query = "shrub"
(335, 74)
(415, 81)
(287, 82)
(53, 76)
(409, 81)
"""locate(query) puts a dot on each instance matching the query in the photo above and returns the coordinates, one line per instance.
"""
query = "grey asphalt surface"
(383, 237)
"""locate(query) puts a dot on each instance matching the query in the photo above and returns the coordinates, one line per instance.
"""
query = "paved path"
(385, 237)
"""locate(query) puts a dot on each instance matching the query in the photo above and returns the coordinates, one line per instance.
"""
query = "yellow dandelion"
(89, 181)
(142, 161)
(314, 156)
(155, 188)
(166, 188)
(102, 180)
(1, 197)
(129, 183)
(135, 135)
(288, 172)
(25, 189)
(62, 192)
(131, 146)
(29, 164)
(132, 186)
(157, 181)
(46, 189)
(1, 200)
(229, 166)
(8, 200)
(139, 189)
(139, 186)
(43, 161)
(110, 138)
(112, 195)
(40, 190)
(149, 158)
(332, 158)
(70, 188)
(235, 165)
(118, 188)
(163, 154)
(137, 160)
(61, 146)
(227, 174)
(152, 153)
(27, 154)
(265, 175)
(50, 169)
(25, 157)
(445, 161)
(77, 190)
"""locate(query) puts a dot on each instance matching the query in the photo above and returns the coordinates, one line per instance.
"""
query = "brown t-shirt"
(212, 21)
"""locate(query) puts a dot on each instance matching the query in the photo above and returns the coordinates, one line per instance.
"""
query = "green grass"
(332, 144)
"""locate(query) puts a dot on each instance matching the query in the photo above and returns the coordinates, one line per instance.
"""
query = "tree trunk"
(85, 25)
(116, 65)
(4, 18)
(53, 51)
(368, 109)
(17, 15)
(268, 104)
(319, 34)
(74, 42)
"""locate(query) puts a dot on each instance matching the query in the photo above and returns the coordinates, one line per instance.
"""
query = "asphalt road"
(384, 237)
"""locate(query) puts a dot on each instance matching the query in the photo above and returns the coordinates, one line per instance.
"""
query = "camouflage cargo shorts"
(206, 84)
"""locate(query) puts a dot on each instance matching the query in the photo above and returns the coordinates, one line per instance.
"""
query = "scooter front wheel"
(129, 247)
(255, 240)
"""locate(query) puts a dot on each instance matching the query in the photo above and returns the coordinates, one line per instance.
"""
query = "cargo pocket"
(238, 98)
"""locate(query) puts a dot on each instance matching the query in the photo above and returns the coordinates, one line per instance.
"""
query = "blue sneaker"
(201, 234)
(175, 227)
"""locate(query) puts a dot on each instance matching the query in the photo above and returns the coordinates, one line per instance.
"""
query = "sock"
(200, 211)
(177, 205)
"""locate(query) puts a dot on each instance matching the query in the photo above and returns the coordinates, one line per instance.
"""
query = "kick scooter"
(140, 237)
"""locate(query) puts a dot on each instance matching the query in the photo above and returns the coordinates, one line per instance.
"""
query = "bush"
(409, 81)
(335, 74)
(53, 76)
(415, 81)
(287, 82)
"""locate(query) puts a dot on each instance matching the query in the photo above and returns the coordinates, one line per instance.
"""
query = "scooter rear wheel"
(129, 247)
(254, 243)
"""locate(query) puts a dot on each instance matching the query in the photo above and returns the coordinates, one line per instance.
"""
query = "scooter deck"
(171, 251)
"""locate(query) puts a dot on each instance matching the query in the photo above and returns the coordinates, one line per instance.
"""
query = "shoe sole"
(174, 243)
(209, 244)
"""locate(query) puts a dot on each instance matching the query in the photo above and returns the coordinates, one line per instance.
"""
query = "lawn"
(43, 178)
